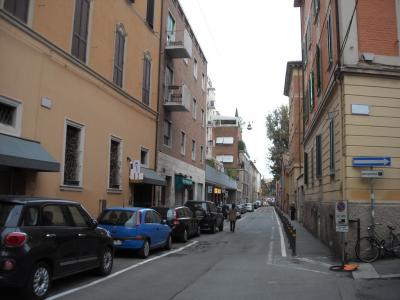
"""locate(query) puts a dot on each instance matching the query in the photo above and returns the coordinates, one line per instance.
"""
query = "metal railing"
(289, 229)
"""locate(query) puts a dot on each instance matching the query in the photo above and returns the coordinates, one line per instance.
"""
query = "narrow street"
(246, 264)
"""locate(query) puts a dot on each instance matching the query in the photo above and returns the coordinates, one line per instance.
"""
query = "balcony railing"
(179, 44)
(177, 98)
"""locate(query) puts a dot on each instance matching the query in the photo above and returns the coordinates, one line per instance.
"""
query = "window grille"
(7, 114)
(115, 165)
(72, 155)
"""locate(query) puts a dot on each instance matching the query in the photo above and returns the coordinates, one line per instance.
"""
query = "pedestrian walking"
(232, 216)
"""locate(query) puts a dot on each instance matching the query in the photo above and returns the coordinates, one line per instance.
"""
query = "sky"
(247, 45)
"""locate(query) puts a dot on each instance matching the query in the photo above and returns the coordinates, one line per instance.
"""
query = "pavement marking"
(283, 248)
(313, 261)
(71, 291)
(300, 269)
(271, 246)
(365, 271)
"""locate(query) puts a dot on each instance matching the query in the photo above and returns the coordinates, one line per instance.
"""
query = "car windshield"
(199, 205)
(6, 212)
(118, 217)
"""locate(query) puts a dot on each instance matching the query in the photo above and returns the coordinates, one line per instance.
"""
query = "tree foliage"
(277, 124)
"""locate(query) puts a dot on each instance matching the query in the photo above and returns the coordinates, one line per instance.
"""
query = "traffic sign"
(372, 161)
(342, 221)
(371, 173)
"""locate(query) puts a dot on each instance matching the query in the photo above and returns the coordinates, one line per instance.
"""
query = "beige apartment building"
(182, 109)
(78, 99)
(293, 165)
(351, 80)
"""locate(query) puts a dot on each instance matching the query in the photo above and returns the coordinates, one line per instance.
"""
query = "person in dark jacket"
(232, 217)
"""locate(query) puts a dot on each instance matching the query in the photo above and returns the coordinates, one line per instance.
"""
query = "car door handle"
(50, 235)
(81, 234)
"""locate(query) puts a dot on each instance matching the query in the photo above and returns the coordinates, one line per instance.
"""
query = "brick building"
(181, 136)
(351, 84)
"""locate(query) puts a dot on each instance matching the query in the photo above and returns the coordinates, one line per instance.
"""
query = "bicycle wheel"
(396, 245)
(367, 249)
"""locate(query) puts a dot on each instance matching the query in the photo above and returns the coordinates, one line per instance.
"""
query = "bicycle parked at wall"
(370, 247)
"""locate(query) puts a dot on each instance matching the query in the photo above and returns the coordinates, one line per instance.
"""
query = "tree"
(277, 124)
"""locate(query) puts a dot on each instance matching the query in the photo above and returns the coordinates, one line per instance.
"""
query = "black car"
(207, 214)
(181, 220)
(43, 239)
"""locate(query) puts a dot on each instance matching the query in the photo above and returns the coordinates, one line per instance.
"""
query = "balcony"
(179, 44)
(177, 98)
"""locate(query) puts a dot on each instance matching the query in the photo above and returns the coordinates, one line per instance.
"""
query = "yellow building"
(78, 99)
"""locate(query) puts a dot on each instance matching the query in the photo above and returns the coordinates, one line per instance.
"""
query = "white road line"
(300, 269)
(271, 246)
(313, 261)
(283, 248)
(71, 291)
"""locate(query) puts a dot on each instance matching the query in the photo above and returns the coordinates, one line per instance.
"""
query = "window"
(225, 158)
(331, 147)
(203, 118)
(146, 80)
(169, 81)
(10, 116)
(73, 157)
(114, 177)
(53, 215)
(305, 107)
(203, 81)
(316, 7)
(201, 154)
(193, 150)
(224, 140)
(150, 13)
(195, 68)
(312, 165)
(194, 108)
(18, 8)
(170, 29)
(183, 143)
(330, 38)
(305, 168)
(311, 91)
(144, 157)
(30, 216)
(80, 34)
(119, 55)
(305, 52)
(319, 68)
(167, 132)
(78, 217)
(318, 154)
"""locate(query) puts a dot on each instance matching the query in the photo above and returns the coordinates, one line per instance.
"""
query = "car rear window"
(198, 205)
(118, 217)
(9, 213)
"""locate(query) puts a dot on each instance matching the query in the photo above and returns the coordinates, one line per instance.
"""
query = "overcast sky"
(247, 44)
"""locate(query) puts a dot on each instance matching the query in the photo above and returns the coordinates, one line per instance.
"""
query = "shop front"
(143, 185)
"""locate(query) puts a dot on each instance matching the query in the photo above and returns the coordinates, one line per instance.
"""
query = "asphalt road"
(247, 264)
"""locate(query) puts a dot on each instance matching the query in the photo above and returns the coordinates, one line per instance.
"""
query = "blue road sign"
(372, 161)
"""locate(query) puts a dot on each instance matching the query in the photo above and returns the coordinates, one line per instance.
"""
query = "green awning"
(181, 181)
(25, 154)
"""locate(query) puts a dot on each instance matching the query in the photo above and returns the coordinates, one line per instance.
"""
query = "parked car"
(249, 207)
(207, 214)
(242, 208)
(43, 239)
(140, 229)
(181, 220)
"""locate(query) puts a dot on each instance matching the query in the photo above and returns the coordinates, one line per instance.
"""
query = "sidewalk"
(309, 246)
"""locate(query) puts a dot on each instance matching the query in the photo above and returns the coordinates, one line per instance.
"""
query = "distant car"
(249, 207)
(43, 239)
(140, 229)
(242, 208)
(182, 221)
(207, 214)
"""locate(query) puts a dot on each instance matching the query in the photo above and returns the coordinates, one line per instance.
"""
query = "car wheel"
(145, 250)
(106, 262)
(213, 228)
(168, 243)
(221, 227)
(184, 236)
(198, 232)
(38, 283)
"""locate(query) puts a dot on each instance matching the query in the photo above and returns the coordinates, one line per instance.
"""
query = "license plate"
(117, 242)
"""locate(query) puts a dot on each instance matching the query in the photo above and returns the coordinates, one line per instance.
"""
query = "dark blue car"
(135, 228)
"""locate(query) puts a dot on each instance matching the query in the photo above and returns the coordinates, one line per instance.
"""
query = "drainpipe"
(160, 53)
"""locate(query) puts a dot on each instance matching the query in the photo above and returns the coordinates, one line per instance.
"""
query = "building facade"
(294, 168)
(351, 80)
(78, 99)
(182, 109)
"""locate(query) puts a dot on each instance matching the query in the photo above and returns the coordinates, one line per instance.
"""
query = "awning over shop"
(215, 177)
(181, 181)
(150, 177)
(25, 154)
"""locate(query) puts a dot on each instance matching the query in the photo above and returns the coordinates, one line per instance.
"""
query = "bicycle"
(370, 247)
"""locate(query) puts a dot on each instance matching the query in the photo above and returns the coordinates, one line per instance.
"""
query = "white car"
(249, 207)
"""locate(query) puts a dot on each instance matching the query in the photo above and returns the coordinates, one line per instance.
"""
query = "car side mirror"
(93, 223)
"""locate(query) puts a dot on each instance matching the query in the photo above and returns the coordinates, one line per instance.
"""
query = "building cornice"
(288, 76)
(65, 55)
